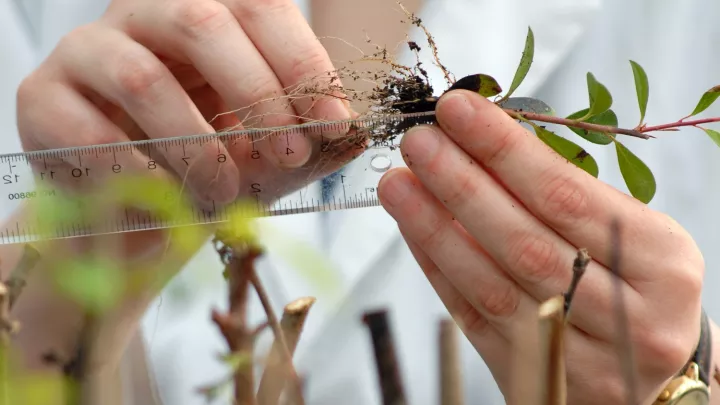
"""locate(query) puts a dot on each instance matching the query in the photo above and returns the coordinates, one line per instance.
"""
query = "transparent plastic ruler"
(351, 155)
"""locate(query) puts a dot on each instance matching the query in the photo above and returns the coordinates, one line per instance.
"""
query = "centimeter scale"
(366, 149)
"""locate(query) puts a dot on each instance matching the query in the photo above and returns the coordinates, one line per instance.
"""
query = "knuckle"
(461, 191)
(434, 233)
(469, 319)
(563, 201)
(308, 63)
(250, 10)
(499, 148)
(195, 20)
(532, 257)
(135, 74)
(663, 353)
(500, 300)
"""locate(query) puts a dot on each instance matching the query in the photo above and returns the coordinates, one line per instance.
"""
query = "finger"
(207, 33)
(300, 61)
(484, 337)
(129, 75)
(462, 261)
(569, 200)
(511, 361)
(53, 116)
(534, 256)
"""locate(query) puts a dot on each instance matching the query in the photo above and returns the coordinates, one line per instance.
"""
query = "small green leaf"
(568, 150)
(714, 135)
(599, 96)
(525, 62)
(706, 100)
(605, 118)
(527, 104)
(642, 88)
(236, 360)
(483, 84)
(638, 177)
(96, 284)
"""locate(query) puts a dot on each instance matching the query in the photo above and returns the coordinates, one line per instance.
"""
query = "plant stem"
(292, 322)
(5, 330)
(19, 275)
(233, 325)
(388, 371)
(552, 329)
(639, 132)
(574, 123)
(279, 337)
(450, 378)
(678, 124)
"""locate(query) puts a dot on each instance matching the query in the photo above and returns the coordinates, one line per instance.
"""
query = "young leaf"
(599, 96)
(642, 88)
(714, 135)
(527, 104)
(95, 284)
(638, 177)
(568, 150)
(605, 118)
(706, 100)
(485, 85)
(525, 62)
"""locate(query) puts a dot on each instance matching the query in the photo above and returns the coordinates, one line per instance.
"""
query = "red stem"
(680, 124)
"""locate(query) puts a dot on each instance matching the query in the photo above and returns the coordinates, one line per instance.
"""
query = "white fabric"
(675, 41)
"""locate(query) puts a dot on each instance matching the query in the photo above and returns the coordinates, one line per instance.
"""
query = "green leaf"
(483, 84)
(714, 135)
(706, 100)
(569, 150)
(527, 104)
(599, 96)
(605, 118)
(638, 177)
(236, 360)
(642, 88)
(96, 284)
(525, 62)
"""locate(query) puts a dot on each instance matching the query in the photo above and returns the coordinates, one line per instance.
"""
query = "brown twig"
(19, 275)
(625, 354)
(450, 371)
(279, 338)
(579, 266)
(273, 379)
(388, 371)
(678, 124)
(574, 123)
(233, 325)
(552, 324)
(6, 329)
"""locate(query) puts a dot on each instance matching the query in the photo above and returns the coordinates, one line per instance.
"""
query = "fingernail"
(455, 109)
(292, 150)
(395, 188)
(420, 144)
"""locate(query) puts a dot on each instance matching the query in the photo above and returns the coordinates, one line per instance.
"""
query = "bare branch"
(450, 370)
(388, 371)
(292, 322)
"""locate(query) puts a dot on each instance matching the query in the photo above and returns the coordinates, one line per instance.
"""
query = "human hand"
(158, 69)
(494, 218)
(163, 69)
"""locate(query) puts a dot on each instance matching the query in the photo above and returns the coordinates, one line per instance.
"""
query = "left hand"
(495, 217)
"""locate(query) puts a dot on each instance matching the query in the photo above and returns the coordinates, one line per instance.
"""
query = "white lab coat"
(676, 42)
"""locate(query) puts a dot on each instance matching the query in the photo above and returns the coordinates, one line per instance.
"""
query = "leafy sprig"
(597, 123)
